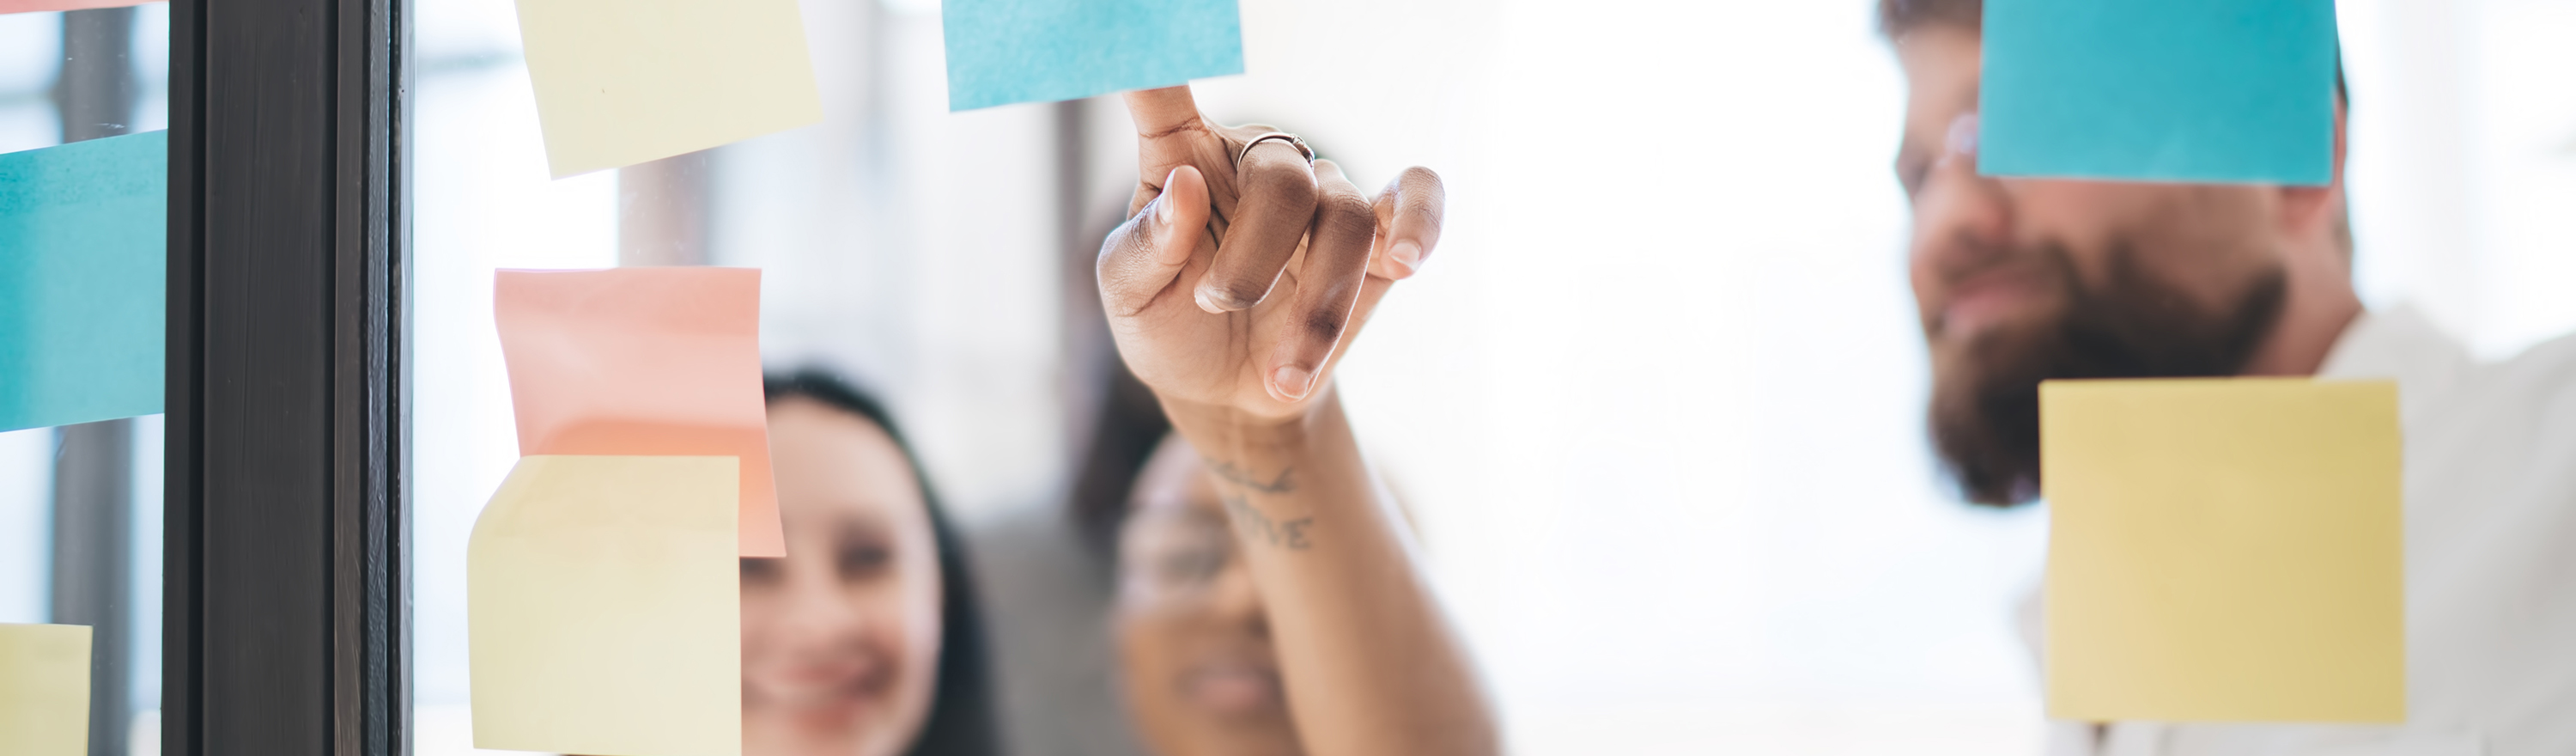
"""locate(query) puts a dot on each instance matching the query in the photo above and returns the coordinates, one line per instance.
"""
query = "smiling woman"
(865, 640)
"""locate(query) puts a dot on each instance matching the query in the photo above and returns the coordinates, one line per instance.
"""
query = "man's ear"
(2313, 212)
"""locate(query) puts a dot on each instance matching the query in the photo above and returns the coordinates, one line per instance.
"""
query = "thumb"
(1144, 256)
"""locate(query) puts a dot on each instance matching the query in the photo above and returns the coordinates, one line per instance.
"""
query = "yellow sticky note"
(44, 690)
(620, 82)
(602, 608)
(2225, 549)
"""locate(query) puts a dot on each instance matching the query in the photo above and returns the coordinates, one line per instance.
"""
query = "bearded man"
(2024, 280)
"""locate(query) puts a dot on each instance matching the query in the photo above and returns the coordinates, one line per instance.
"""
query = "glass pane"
(482, 200)
(80, 505)
(1684, 503)
(944, 296)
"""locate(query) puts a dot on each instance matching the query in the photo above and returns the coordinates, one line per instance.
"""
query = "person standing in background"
(2023, 280)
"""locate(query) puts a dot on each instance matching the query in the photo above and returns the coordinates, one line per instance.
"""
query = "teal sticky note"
(1006, 51)
(82, 263)
(2159, 90)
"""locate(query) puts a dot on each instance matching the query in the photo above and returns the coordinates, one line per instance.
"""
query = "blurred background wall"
(1655, 402)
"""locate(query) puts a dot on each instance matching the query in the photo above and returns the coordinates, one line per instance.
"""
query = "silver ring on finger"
(1275, 136)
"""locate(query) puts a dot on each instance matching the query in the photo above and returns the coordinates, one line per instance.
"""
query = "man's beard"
(1985, 408)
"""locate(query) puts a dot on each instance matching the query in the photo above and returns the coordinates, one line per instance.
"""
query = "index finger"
(1162, 111)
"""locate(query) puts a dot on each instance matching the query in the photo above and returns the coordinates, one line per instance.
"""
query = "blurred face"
(840, 640)
(1201, 676)
(2021, 280)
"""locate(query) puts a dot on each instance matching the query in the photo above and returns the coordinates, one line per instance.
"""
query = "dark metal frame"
(286, 602)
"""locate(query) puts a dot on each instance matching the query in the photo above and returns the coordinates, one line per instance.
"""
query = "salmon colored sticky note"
(31, 6)
(659, 361)
(602, 608)
(44, 690)
(620, 82)
(2223, 549)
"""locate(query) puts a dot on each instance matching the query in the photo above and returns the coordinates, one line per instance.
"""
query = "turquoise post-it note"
(82, 260)
(1007, 51)
(2159, 90)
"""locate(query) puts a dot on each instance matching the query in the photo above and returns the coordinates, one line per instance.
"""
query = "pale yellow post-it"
(2224, 549)
(620, 82)
(602, 608)
(44, 690)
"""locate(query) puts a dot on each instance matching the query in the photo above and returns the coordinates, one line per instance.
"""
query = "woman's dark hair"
(961, 721)
(1128, 425)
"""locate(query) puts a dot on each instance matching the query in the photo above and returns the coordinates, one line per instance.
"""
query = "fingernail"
(1293, 382)
(1203, 294)
(1963, 134)
(1163, 210)
(1407, 253)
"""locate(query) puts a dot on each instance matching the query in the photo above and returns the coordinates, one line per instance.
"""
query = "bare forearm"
(1370, 663)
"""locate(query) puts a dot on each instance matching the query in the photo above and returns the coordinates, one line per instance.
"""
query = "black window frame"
(286, 596)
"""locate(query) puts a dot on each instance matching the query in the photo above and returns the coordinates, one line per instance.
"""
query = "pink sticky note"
(643, 361)
(31, 6)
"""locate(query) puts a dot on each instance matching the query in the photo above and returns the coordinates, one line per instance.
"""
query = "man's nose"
(1959, 216)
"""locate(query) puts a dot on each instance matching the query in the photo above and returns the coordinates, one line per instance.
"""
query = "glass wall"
(482, 200)
(1636, 490)
(80, 505)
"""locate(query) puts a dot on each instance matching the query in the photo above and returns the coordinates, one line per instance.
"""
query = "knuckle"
(1244, 291)
(1418, 177)
(1345, 215)
(1120, 241)
(1287, 181)
(1426, 212)
(1324, 325)
(1329, 175)
(1343, 203)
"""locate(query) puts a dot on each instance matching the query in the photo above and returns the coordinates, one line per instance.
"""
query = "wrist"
(1234, 432)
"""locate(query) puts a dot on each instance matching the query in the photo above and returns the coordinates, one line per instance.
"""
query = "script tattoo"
(1255, 523)
(1242, 477)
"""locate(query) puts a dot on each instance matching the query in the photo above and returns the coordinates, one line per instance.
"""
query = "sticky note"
(2223, 550)
(82, 255)
(620, 82)
(44, 690)
(30, 6)
(602, 608)
(1007, 51)
(2159, 90)
(661, 361)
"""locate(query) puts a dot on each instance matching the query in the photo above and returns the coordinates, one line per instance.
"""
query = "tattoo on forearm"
(1231, 473)
(1258, 524)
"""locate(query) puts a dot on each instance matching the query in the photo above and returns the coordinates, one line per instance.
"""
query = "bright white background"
(1656, 399)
